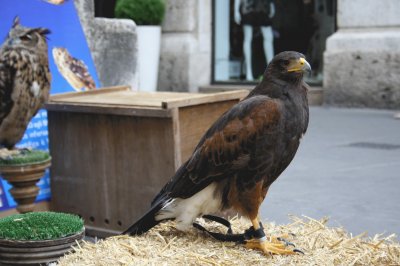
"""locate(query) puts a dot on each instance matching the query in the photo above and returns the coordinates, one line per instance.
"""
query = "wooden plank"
(110, 99)
(105, 109)
(118, 92)
(60, 96)
(122, 97)
(202, 98)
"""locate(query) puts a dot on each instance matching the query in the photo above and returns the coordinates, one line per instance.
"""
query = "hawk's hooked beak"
(300, 65)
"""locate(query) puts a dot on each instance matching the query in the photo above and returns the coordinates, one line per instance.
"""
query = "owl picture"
(74, 71)
(55, 2)
(24, 80)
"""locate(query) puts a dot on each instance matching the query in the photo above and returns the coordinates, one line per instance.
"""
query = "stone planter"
(149, 41)
(18, 252)
(23, 178)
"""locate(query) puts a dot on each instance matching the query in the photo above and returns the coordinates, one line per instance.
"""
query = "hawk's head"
(288, 66)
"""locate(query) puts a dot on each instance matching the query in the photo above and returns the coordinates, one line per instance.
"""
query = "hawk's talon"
(287, 243)
(299, 251)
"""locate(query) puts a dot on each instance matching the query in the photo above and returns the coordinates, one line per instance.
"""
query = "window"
(247, 33)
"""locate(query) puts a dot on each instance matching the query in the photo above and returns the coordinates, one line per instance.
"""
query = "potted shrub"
(37, 238)
(148, 16)
(23, 170)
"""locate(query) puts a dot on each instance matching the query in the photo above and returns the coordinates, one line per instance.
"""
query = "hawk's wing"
(229, 147)
(7, 74)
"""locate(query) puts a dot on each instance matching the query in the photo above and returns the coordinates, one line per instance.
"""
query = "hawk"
(240, 155)
(24, 80)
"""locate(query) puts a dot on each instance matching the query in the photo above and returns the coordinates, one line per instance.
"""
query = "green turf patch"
(39, 226)
(26, 157)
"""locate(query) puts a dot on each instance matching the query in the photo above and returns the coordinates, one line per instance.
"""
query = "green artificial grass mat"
(39, 226)
(25, 157)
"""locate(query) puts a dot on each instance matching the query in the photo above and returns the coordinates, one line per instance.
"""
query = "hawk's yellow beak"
(300, 65)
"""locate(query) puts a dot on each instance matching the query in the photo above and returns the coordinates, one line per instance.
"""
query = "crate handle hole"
(107, 221)
(91, 218)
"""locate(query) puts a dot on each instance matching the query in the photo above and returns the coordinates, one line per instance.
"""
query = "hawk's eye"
(286, 62)
(26, 37)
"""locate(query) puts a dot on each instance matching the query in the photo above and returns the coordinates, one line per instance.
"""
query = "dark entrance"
(299, 25)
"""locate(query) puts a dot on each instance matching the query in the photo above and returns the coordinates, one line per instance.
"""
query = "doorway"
(299, 25)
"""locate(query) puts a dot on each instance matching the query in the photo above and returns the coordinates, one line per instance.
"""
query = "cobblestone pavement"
(347, 168)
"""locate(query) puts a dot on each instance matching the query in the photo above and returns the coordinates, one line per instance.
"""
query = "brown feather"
(24, 81)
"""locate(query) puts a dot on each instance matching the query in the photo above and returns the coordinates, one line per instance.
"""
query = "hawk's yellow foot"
(275, 245)
(270, 247)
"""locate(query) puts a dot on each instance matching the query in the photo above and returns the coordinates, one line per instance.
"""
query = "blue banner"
(66, 40)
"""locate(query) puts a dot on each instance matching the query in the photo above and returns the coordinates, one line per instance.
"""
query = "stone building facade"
(185, 62)
(362, 59)
(361, 65)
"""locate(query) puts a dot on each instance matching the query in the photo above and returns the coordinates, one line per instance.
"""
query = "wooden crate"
(113, 149)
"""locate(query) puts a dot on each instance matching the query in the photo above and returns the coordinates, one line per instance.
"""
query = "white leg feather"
(185, 211)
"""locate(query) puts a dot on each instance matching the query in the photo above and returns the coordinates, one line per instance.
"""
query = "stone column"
(113, 44)
(362, 59)
(185, 62)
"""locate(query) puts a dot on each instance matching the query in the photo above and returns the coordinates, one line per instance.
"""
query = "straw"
(165, 245)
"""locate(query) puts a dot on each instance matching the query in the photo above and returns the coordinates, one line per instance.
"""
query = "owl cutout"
(73, 70)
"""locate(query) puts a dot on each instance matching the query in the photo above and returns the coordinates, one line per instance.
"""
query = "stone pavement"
(347, 168)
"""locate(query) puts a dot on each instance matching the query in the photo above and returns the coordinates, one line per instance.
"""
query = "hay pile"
(164, 245)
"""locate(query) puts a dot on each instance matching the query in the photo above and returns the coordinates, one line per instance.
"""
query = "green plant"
(143, 12)
(39, 226)
(25, 157)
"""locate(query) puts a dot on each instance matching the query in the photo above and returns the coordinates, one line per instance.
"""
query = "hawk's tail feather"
(145, 223)
(161, 196)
